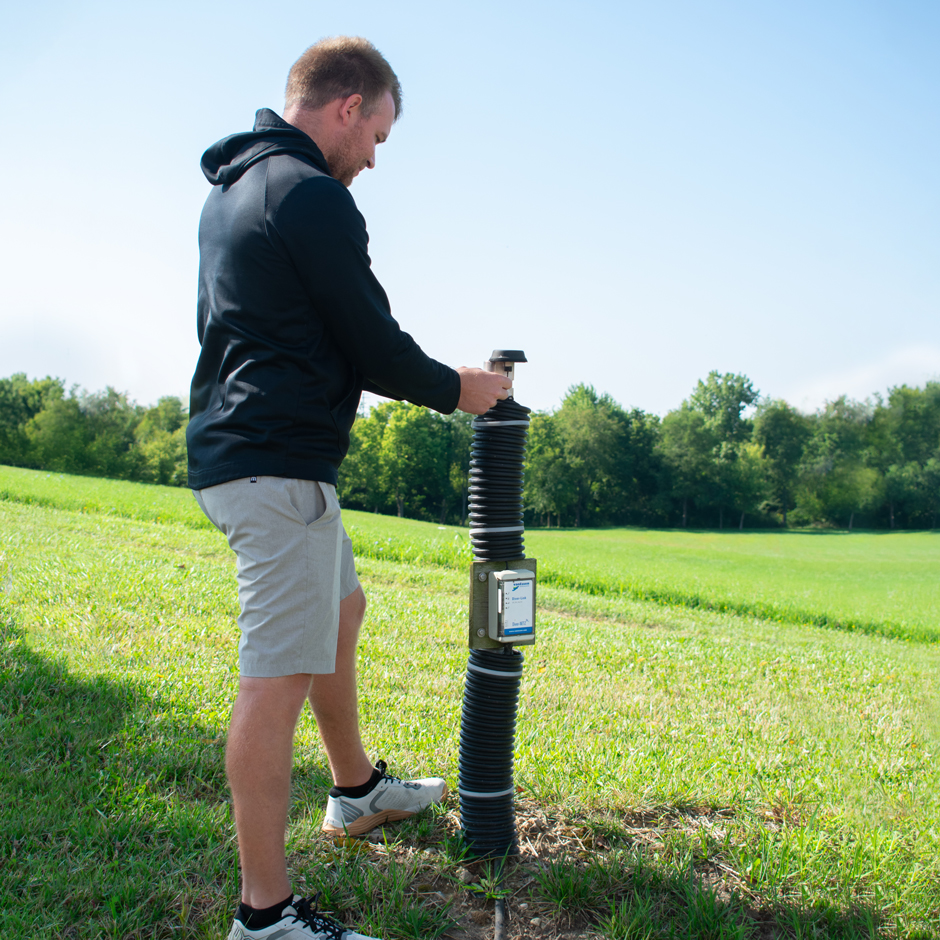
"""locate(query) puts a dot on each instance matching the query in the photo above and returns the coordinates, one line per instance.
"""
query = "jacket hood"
(224, 162)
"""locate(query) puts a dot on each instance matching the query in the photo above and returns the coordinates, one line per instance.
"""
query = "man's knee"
(280, 696)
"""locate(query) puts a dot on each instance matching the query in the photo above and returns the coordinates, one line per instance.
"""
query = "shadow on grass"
(114, 813)
(113, 820)
(664, 874)
(635, 897)
(114, 823)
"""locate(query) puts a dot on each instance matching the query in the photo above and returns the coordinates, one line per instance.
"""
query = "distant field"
(883, 583)
(875, 582)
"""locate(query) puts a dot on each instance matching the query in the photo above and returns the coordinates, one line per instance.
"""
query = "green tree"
(835, 482)
(914, 421)
(112, 420)
(20, 401)
(592, 430)
(409, 460)
(641, 470)
(59, 437)
(782, 433)
(549, 485)
(412, 466)
(593, 463)
(457, 437)
(160, 439)
(87, 433)
(722, 400)
(687, 444)
(904, 438)
(360, 483)
(749, 481)
(930, 474)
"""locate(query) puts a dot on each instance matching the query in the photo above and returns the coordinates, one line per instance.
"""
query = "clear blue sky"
(635, 193)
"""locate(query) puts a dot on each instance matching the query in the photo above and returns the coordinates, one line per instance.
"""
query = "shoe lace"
(383, 770)
(308, 913)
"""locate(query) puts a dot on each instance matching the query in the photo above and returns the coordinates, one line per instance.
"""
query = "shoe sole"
(364, 824)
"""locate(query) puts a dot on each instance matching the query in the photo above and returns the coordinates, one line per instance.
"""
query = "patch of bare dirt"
(469, 888)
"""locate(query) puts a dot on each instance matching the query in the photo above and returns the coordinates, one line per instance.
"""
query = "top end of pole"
(504, 360)
(508, 355)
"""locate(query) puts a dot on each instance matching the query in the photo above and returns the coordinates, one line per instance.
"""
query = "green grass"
(106, 497)
(685, 772)
(883, 583)
(878, 583)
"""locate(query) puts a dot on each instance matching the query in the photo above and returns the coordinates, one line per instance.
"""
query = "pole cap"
(508, 355)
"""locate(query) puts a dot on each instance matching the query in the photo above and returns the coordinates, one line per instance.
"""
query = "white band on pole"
(492, 672)
(498, 424)
(485, 796)
(505, 528)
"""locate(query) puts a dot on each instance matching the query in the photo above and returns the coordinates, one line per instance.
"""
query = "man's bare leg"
(258, 761)
(261, 748)
(335, 702)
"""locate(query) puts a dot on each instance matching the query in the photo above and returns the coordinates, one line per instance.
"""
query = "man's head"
(339, 67)
(343, 94)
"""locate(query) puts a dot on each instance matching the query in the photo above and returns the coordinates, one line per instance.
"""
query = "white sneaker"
(301, 921)
(389, 800)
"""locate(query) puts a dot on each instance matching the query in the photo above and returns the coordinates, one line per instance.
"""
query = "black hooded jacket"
(292, 322)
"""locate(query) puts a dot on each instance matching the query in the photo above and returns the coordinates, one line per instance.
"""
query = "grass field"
(881, 583)
(684, 771)
(874, 582)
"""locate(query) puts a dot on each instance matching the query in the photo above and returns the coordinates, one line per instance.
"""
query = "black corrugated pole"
(502, 616)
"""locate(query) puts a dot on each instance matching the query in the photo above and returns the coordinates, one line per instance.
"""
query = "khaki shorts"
(295, 564)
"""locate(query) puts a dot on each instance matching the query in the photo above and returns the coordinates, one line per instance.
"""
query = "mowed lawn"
(876, 582)
(857, 579)
(724, 775)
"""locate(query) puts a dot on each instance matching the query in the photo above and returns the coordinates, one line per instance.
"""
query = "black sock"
(259, 918)
(362, 790)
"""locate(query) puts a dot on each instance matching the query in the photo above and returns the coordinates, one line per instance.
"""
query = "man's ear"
(350, 108)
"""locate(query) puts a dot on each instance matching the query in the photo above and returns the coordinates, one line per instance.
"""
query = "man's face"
(356, 147)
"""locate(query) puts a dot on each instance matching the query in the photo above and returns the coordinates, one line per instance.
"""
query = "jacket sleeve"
(319, 224)
(370, 386)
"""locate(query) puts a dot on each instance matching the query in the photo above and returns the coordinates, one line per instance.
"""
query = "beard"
(344, 163)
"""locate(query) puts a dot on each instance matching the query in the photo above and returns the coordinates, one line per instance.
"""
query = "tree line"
(726, 457)
(95, 434)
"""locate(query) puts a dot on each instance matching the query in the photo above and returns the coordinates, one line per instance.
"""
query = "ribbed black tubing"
(496, 461)
(491, 693)
(487, 738)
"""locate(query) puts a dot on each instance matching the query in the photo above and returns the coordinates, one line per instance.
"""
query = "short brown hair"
(338, 67)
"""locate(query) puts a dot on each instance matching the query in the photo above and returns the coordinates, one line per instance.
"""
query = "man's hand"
(480, 390)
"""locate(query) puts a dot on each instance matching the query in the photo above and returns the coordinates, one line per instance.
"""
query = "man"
(293, 326)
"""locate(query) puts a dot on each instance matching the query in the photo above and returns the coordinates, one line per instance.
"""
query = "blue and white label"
(518, 607)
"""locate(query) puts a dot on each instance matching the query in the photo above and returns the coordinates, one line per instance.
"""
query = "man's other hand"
(480, 390)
